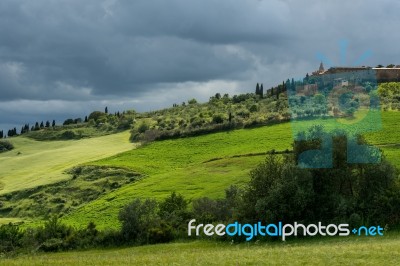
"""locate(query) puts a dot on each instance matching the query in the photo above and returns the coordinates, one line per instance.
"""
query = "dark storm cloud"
(147, 54)
(125, 46)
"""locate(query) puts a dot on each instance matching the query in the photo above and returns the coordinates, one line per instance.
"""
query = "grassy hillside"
(336, 251)
(34, 163)
(195, 167)
(202, 166)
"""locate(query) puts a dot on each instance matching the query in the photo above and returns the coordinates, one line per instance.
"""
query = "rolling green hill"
(35, 163)
(203, 166)
(195, 167)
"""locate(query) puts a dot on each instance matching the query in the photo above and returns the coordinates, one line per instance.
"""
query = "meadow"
(194, 167)
(317, 251)
(203, 166)
(34, 163)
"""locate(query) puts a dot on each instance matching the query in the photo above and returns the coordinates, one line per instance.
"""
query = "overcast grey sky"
(61, 59)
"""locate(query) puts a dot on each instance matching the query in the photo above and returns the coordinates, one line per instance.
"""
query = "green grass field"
(336, 251)
(195, 167)
(184, 165)
(34, 163)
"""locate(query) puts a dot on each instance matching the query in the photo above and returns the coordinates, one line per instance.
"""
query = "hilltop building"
(383, 74)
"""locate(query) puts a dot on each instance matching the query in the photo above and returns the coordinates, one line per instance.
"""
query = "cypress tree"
(257, 89)
(287, 85)
(293, 85)
(278, 90)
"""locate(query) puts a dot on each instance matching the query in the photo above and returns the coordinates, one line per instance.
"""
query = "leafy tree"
(217, 119)
(143, 127)
(281, 190)
(96, 115)
(137, 219)
(319, 99)
(175, 202)
(10, 237)
(192, 101)
(173, 210)
(69, 121)
(253, 108)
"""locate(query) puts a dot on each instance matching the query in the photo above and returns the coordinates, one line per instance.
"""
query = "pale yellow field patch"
(34, 163)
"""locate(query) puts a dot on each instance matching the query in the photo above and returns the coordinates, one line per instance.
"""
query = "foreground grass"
(336, 251)
(35, 163)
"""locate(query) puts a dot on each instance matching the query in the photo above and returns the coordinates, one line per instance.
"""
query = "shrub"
(69, 121)
(69, 134)
(208, 210)
(161, 233)
(218, 119)
(253, 108)
(142, 127)
(172, 204)
(96, 115)
(5, 146)
(125, 123)
(137, 219)
(192, 101)
(173, 210)
(10, 237)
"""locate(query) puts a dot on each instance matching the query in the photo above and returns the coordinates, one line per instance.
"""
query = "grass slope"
(34, 163)
(336, 251)
(195, 167)
(184, 165)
